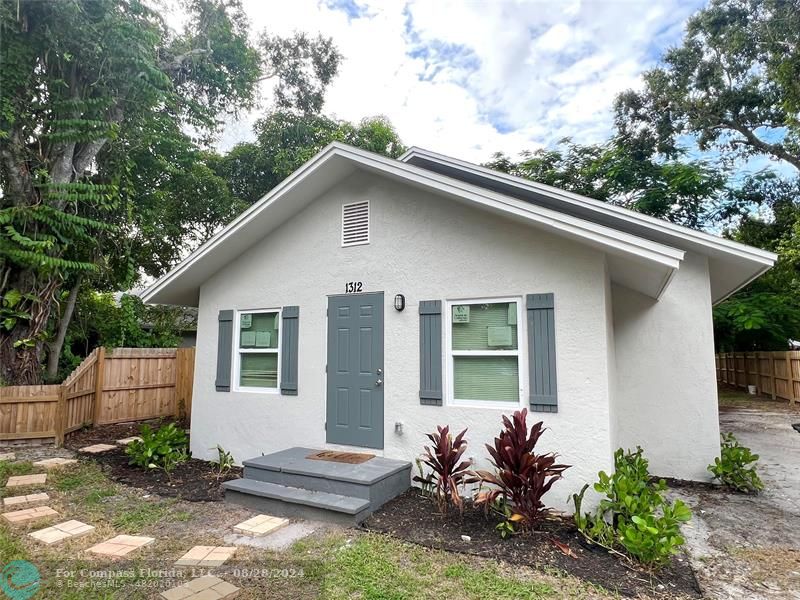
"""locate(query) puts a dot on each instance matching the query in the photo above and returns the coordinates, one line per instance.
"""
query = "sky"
(472, 78)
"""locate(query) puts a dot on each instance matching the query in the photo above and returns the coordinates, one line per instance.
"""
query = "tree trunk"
(54, 347)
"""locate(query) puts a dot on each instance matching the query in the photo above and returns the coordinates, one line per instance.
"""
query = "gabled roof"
(638, 262)
(732, 265)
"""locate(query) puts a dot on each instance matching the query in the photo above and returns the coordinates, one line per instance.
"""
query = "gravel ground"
(745, 546)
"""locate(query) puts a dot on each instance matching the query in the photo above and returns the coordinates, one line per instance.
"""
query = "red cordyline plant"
(448, 471)
(522, 476)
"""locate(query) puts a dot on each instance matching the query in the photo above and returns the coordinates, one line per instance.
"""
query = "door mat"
(351, 458)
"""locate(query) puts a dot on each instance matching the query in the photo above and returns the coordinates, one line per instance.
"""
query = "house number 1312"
(353, 287)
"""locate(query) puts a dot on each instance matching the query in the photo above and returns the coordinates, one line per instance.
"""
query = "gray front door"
(355, 370)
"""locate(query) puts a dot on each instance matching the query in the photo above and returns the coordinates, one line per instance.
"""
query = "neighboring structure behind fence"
(124, 384)
(775, 374)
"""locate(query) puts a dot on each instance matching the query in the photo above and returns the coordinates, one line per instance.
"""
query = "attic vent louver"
(355, 224)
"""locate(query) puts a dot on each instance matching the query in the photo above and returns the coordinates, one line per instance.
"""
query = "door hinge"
(326, 426)
(326, 368)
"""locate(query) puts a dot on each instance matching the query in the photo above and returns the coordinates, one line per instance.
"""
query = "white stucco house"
(365, 300)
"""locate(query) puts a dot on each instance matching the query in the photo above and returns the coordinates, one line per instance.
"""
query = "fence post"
(99, 374)
(184, 379)
(772, 373)
(790, 378)
(61, 416)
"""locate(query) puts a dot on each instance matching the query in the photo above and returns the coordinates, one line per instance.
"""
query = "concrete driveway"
(749, 546)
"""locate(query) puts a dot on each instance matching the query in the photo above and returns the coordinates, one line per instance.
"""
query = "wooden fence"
(776, 374)
(126, 384)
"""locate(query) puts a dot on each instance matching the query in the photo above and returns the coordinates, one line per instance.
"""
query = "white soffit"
(641, 264)
(731, 265)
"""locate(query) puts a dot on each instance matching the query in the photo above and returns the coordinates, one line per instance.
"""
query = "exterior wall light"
(399, 302)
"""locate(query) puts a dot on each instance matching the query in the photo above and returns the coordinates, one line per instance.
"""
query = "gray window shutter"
(290, 322)
(224, 351)
(542, 352)
(430, 352)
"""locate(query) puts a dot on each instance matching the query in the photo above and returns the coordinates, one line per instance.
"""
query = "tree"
(766, 313)
(285, 140)
(681, 192)
(76, 78)
(732, 83)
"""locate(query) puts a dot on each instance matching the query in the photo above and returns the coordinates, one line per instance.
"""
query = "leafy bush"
(732, 469)
(633, 515)
(522, 476)
(163, 449)
(448, 471)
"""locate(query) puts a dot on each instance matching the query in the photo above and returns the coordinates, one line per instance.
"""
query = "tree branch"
(54, 348)
(753, 140)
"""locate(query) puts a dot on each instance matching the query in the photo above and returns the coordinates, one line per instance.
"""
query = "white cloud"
(471, 78)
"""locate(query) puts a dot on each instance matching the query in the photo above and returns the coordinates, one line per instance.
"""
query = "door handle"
(379, 382)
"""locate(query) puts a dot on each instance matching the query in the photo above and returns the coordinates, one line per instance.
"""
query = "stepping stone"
(206, 556)
(260, 525)
(29, 499)
(128, 440)
(20, 480)
(8, 456)
(207, 587)
(52, 463)
(61, 531)
(97, 448)
(121, 545)
(29, 514)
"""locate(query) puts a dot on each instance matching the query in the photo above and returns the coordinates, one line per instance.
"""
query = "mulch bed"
(194, 480)
(415, 519)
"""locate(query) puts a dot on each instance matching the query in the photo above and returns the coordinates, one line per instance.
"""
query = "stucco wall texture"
(656, 359)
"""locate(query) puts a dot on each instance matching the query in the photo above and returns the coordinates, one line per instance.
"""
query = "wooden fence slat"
(139, 384)
(774, 373)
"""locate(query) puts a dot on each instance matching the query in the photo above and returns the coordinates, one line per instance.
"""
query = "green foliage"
(732, 84)
(163, 449)
(285, 140)
(681, 192)
(100, 320)
(765, 314)
(224, 461)
(633, 514)
(736, 467)
(96, 97)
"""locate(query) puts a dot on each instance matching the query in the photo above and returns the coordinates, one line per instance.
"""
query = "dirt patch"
(195, 480)
(414, 518)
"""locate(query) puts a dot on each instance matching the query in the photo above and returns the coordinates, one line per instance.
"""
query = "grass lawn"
(331, 564)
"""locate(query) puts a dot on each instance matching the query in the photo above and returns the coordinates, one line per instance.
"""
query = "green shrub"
(163, 449)
(732, 469)
(633, 515)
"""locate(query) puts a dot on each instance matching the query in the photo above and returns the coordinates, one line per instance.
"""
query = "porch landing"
(289, 484)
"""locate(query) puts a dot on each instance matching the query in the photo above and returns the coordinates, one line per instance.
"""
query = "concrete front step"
(289, 484)
(286, 501)
(377, 480)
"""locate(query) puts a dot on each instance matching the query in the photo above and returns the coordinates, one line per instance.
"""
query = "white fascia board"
(607, 238)
(664, 227)
(601, 235)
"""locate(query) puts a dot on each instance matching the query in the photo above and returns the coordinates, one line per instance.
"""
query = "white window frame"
(449, 353)
(237, 351)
